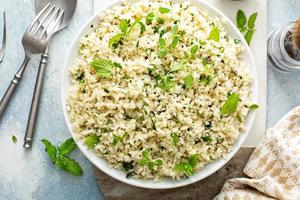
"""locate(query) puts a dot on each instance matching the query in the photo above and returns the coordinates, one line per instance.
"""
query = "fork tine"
(56, 23)
(50, 21)
(38, 16)
(44, 19)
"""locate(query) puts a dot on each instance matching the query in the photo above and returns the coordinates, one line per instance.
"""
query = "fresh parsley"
(163, 10)
(14, 139)
(91, 140)
(231, 104)
(246, 27)
(174, 138)
(187, 167)
(59, 156)
(214, 34)
(147, 160)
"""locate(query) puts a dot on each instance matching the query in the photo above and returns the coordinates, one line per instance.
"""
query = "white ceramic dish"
(166, 183)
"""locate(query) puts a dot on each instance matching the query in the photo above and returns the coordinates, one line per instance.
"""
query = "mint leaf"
(162, 43)
(166, 83)
(160, 20)
(231, 104)
(69, 165)
(91, 141)
(143, 27)
(14, 139)
(146, 160)
(174, 138)
(248, 36)
(194, 49)
(214, 34)
(162, 53)
(254, 107)
(188, 81)
(117, 139)
(206, 138)
(67, 147)
(193, 159)
(114, 41)
(176, 66)
(50, 149)
(187, 167)
(149, 18)
(251, 21)
(241, 19)
(163, 10)
(123, 26)
(174, 29)
(103, 67)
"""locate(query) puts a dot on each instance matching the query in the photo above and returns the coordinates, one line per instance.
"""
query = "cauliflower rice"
(161, 97)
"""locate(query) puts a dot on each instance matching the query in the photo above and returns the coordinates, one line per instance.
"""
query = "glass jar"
(277, 53)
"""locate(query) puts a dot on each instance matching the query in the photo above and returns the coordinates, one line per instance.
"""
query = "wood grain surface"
(203, 190)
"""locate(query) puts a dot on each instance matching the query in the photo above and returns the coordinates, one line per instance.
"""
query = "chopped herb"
(162, 53)
(14, 139)
(117, 65)
(253, 107)
(103, 67)
(206, 138)
(194, 49)
(60, 158)
(248, 36)
(146, 160)
(174, 138)
(155, 29)
(175, 29)
(115, 41)
(176, 66)
(163, 10)
(126, 76)
(91, 141)
(251, 21)
(188, 81)
(123, 26)
(214, 34)
(241, 19)
(187, 167)
(143, 27)
(162, 42)
(231, 104)
(165, 83)
(117, 139)
(174, 42)
(206, 79)
(160, 20)
(149, 18)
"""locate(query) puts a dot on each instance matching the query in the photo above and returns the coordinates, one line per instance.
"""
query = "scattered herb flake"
(149, 18)
(253, 107)
(206, 138)
(14, 139)
(174, 138)
(91, 140)
(188, 81)
(231, 104)
(214, 34)
(163, 10)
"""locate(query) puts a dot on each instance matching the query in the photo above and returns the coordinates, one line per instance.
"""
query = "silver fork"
(2, 49)
(34, 41)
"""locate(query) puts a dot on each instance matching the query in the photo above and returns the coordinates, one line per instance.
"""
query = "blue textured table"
(30, 174)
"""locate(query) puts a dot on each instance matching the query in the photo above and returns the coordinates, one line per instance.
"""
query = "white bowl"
(166, 183)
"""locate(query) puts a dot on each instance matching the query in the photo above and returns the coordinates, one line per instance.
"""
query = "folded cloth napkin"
(274, 166)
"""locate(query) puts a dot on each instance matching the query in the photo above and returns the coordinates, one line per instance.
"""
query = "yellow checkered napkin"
(274, 166)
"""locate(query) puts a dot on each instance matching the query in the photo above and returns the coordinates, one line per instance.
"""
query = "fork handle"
(35, 100)
(12, 87)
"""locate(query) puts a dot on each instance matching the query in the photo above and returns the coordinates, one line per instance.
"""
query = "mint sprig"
(246, 27)
(187, 167)
(59, 156)
(147, 160)
(231, 104)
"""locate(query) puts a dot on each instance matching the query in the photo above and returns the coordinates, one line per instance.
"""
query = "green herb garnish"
(162, 53)
(149, 18)
(160, 20)
(194, 50)
(60, 157)
(206, 79)
(163, 10)
(162, 42)
(117, 139)
(103, 67)
(253, 107)
(206, 138)
(247, 28)
(187, 167)
(165, 83)
(14, 139)
(91, 140)
(115, 41)
(174, 138)
(188, 81)
(231, 104)
(176, 66)
(214, 34)
(146, 160)
(123, 26)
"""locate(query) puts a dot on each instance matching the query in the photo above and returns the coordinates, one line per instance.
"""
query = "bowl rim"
(151, 184)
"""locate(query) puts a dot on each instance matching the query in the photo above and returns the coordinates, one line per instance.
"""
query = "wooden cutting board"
(204, 190)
